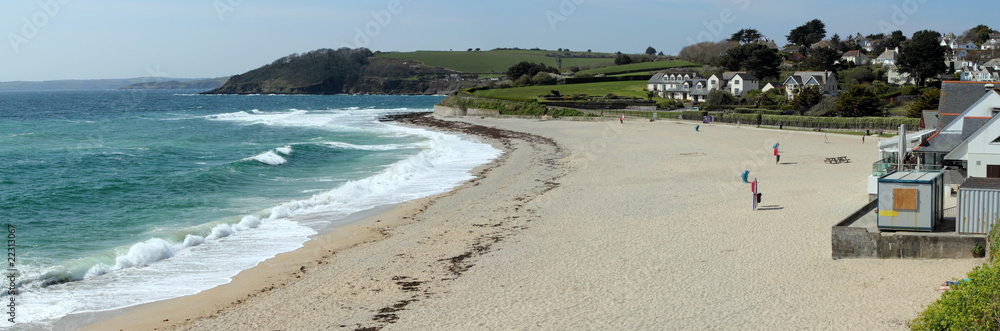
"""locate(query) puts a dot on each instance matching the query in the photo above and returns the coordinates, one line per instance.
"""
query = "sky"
(99, 39)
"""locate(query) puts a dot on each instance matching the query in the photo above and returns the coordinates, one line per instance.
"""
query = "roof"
(852, 54)
(745, 76)
(981, 183)
(910, 177)
(941, 142)
(889, 54)
(956, 97)
(971, 125)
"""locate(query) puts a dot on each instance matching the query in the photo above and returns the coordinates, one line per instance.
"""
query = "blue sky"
(73, 39)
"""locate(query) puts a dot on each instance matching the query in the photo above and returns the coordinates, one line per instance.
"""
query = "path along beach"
(592, 226)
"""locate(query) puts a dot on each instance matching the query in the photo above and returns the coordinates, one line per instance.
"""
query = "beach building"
(825, 80)
(910, 200)
(978, 205)
(961, 142)
(965, 109)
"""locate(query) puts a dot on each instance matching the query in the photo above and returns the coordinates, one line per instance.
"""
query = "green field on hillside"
(626, 89)
(493, 61)
(637, 67)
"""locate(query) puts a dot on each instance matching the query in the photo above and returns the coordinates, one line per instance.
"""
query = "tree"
(978, 34)
(807, 97)
(622, 59)
(529, 69)
(650, 50)
(858, 101)
(927, 101)
(706, 52)
(543, 78)
(756, 59)
(746, 36)
(923, 57)
(807, 34)
(720, 97)
(821, 59)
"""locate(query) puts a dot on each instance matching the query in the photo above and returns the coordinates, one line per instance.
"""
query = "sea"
(116, 198)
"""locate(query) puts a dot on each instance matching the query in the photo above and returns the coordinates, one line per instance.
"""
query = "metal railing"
(880, 168)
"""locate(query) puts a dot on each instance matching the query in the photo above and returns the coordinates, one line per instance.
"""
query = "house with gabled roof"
(825, 80)
(663, 81)
(992, 43)
(980, 73)
(965, 109)
(735, 82)
(855, 57)
(695, 90)
(771, 86)
(867, 44)
(887, 58)
(979, 149)
(689, 86)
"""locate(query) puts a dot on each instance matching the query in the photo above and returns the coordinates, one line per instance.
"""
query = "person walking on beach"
(622, 119)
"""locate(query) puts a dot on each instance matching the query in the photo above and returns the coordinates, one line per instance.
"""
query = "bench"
(838, 159)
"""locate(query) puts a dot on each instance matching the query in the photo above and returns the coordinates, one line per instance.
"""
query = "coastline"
(592, 225)
(364, 227)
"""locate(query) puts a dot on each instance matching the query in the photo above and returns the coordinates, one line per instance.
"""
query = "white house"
(867, 44)
(979, 151)
(887, 58)
(667, 80)
(734, 82)
(770, 86)
(825, 80)
(689, 86)
(993, 43)
(695, 90)
(979, 73)
(896, 77)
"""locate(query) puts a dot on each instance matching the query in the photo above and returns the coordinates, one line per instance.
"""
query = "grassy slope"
(489, 61)
(628, 89)
(651, 66)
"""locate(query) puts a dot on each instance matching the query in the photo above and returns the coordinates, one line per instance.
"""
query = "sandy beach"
(592, 226)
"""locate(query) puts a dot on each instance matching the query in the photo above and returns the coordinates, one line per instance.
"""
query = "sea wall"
(445, 111)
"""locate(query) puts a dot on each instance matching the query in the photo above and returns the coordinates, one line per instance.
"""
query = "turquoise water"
(125, 197)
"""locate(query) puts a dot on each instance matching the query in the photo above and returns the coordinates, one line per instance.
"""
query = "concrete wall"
(858, 242)
(443, 111)
(861, 242)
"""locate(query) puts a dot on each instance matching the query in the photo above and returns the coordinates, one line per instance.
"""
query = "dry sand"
(641, 226)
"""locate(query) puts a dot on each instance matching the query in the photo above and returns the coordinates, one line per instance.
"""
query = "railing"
(880, 168)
